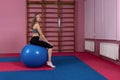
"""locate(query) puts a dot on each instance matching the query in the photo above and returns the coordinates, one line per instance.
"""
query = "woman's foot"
(50, 64)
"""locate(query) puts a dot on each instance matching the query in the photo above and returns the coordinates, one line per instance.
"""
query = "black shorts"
(35, 41)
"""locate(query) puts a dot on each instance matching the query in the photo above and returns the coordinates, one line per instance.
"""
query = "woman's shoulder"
(36, 25)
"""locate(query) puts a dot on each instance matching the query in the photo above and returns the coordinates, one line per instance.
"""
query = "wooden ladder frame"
(59, 3)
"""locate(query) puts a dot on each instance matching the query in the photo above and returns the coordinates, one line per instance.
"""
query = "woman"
(39, 39)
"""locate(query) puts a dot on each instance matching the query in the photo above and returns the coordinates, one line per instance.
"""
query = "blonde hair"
(34, 20)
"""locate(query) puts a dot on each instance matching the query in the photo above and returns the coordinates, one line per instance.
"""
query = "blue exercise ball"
(33, 55)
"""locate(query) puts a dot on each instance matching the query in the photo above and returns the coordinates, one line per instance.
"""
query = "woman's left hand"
(50, 43)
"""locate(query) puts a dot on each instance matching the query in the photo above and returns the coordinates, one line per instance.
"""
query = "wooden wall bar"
(58, 22)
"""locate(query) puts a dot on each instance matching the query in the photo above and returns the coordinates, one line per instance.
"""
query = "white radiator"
(89, 45)
(110, 50)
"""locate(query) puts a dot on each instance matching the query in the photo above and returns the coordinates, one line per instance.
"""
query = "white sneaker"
(50, 64)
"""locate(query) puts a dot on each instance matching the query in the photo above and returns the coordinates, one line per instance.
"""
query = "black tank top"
(36, 31)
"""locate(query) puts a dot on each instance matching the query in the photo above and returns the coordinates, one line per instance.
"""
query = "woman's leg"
(49, 54)
(35, 41)
(49, 62)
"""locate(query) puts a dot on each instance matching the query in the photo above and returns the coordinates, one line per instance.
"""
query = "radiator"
(110, 50)
(89, 45)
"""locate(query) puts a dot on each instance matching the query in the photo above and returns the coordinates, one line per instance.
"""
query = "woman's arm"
(40, 32)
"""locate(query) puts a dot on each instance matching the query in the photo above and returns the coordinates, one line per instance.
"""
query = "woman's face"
(38, 18)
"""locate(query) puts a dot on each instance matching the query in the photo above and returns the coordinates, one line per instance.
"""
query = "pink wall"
(118, 20)
(12, 25)
(80, 25)
(89, 19)
(101, 19)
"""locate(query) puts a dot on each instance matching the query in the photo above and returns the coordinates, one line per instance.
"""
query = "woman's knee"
(50, 47)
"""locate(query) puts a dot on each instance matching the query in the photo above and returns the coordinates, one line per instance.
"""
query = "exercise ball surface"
(33, 55)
